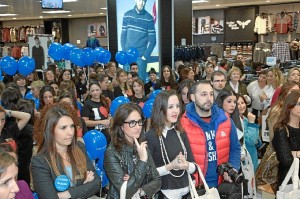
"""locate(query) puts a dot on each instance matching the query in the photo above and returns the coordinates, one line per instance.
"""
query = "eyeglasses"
(133, 123)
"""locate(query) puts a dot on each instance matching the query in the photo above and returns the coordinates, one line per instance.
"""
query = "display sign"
(271, 61)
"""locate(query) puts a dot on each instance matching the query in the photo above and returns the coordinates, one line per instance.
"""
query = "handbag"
(210, 193)
(290, 191)
(248, 171)
(266, 173)
(123, 192)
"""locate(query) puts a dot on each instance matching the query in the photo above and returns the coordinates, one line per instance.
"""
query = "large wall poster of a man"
(137, 22)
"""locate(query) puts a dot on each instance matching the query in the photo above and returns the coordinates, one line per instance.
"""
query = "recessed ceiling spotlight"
(69, 15)
(67, 1)
(3, 5)
(101, 13)
(56, 11)
(7, 15)
(103, 8)
(218, 5)
(14, 18)
(200, 1)
(268, 1)
(41, 17)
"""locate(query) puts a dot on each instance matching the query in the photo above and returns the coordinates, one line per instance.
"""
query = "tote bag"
(123, 192)
(248, 170)
(290, 191)
(209, 193)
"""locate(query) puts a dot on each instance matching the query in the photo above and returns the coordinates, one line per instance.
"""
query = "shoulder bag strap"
(123, 190)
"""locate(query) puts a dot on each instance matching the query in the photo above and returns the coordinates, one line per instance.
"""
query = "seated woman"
(127, 157)
(170, 147)
(286, 141)
(138, 93)
(59, 153)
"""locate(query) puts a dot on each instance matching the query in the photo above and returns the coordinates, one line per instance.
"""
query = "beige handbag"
(209, 193)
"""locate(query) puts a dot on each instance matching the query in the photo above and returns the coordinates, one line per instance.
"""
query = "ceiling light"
(56, 11)
(69, 15)
(14, 18)
(103, 8)
(218, 5)
(67, 1)
(268, 1)
(101, 13)
(3, 5)
(200, 1)
(7, 15)
(41, 17)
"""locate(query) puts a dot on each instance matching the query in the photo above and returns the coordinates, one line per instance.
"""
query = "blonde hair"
(233, 69)
(38, 84)
(291, 71)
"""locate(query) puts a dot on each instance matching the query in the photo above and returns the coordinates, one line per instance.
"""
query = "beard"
(206, 107)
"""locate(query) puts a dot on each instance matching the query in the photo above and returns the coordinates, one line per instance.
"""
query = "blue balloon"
(9, 65)
(95, 143)
(102, 55)
(116, 103)
(67, 47)
(26, 65)
(75, 57)
(121, 57)
(55, 51)
(154, 94)
(102, 175)
(87, 56)
(131, 58)
(134, 52)
(147, 109)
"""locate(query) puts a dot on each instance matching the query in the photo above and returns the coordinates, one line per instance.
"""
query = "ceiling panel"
(31, 9)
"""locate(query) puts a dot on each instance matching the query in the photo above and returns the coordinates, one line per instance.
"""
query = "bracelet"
(9, 113)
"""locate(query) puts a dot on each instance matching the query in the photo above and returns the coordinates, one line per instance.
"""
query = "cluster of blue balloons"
(80, 57)
(10, 66)
(128, 57)
(95, 143)
(148, 106)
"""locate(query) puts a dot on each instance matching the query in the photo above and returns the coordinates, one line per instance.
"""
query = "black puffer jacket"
(142, 174)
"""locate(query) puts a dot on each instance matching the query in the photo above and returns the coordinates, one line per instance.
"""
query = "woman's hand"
(106, 122)
(141, 149)
(179, 163)
(126, 177)
(89, 177)
(251, 117)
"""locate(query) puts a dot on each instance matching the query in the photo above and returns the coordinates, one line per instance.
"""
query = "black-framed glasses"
(132, 123)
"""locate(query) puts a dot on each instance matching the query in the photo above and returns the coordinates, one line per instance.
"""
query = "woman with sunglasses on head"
(127, 157)
(170, 147)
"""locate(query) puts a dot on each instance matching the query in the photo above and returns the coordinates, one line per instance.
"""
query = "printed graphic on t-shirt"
(211, 146)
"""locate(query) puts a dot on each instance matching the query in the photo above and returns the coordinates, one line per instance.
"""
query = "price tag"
(62, 183)
(271, 61)
(264, 130)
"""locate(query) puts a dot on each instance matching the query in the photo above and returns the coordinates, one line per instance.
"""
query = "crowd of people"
(210, 115)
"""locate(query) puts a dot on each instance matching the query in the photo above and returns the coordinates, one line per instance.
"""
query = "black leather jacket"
(142, 174)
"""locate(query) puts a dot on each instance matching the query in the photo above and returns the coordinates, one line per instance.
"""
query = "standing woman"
(167, 79)
(138, 93)
(59, 153)
(170, 147)
(286, 141)
(127, 157)
(122, 88)
(95, 110)
(250, 130)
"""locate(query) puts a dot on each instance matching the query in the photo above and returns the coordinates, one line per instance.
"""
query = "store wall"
(78, 28)
(19, 23)
(272, 9)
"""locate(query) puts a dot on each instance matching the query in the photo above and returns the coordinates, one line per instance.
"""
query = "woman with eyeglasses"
(170, 147)
(127, 157)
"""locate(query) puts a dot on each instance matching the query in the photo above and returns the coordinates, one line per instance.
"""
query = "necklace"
(164, 152)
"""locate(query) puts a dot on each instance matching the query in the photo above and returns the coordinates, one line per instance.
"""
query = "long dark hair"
(27, 106)
(117, 135)
(159, 112)
(235, 116)
(241, 96)
(45, 137)
(43, 90)
(103, 99)
(172, 81)
(284, 116)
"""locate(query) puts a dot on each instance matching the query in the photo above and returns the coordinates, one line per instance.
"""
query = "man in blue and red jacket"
(211, 133)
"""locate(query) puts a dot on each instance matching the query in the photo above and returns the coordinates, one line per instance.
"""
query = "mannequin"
(92, 42)
(56, 31)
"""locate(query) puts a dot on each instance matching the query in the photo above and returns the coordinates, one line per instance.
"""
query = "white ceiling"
(31, 9)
